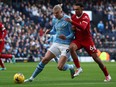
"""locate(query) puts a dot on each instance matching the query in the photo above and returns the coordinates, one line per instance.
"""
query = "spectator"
(100, 27)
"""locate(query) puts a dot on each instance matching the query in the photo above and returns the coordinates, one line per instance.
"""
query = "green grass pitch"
(92, 76)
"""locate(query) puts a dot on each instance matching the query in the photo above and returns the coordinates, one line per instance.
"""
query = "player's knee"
(71, 48)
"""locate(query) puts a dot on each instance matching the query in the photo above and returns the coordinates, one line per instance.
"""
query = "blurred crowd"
(27, 20)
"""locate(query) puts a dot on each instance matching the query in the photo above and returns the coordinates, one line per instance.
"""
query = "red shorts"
(88, 45)
(1, 46)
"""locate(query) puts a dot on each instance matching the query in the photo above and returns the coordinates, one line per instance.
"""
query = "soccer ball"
(19, 78)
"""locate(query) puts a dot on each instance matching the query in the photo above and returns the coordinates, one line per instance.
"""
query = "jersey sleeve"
(53, 31)
(71, 32)
(84, 22)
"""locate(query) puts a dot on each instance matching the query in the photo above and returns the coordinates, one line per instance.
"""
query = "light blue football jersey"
(60, 26)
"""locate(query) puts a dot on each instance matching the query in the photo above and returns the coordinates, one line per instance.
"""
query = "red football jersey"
(2, 31)
(82, 25)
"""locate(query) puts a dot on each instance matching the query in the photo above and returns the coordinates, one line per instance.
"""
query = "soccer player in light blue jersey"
(63, 37)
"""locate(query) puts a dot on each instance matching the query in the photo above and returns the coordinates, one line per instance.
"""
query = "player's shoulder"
(85, 15)
(54, 20)
(66, 16)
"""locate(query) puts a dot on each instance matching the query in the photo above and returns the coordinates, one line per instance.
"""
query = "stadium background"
(27, 20)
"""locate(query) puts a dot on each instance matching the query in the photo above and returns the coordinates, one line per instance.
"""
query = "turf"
(52, 77)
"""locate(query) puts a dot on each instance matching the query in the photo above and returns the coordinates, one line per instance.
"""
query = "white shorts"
(60, 49)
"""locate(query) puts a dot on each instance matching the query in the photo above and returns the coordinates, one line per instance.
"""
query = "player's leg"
(102, 66)
(73, 47)
(50, 54)
(91, 49)
(7, 56)
(66, 67)
(1, 63)
(63, 66)
(41, 65)
(65, 53)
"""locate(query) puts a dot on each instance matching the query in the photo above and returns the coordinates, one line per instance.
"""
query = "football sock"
(76, 62)
(6, 56)
(105, 71)
(2, 64)
(38, 69)
(67, 67)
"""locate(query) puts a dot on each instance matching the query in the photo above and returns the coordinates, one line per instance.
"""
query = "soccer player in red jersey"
(83, 39)
(2, 42)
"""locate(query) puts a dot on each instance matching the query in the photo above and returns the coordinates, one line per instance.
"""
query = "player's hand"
(73, 27)
(69, 20)
(63, 37)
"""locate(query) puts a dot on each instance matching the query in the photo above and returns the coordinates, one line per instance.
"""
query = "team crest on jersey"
(85, 17)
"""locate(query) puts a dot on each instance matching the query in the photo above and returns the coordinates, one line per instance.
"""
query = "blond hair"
(57, 7)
